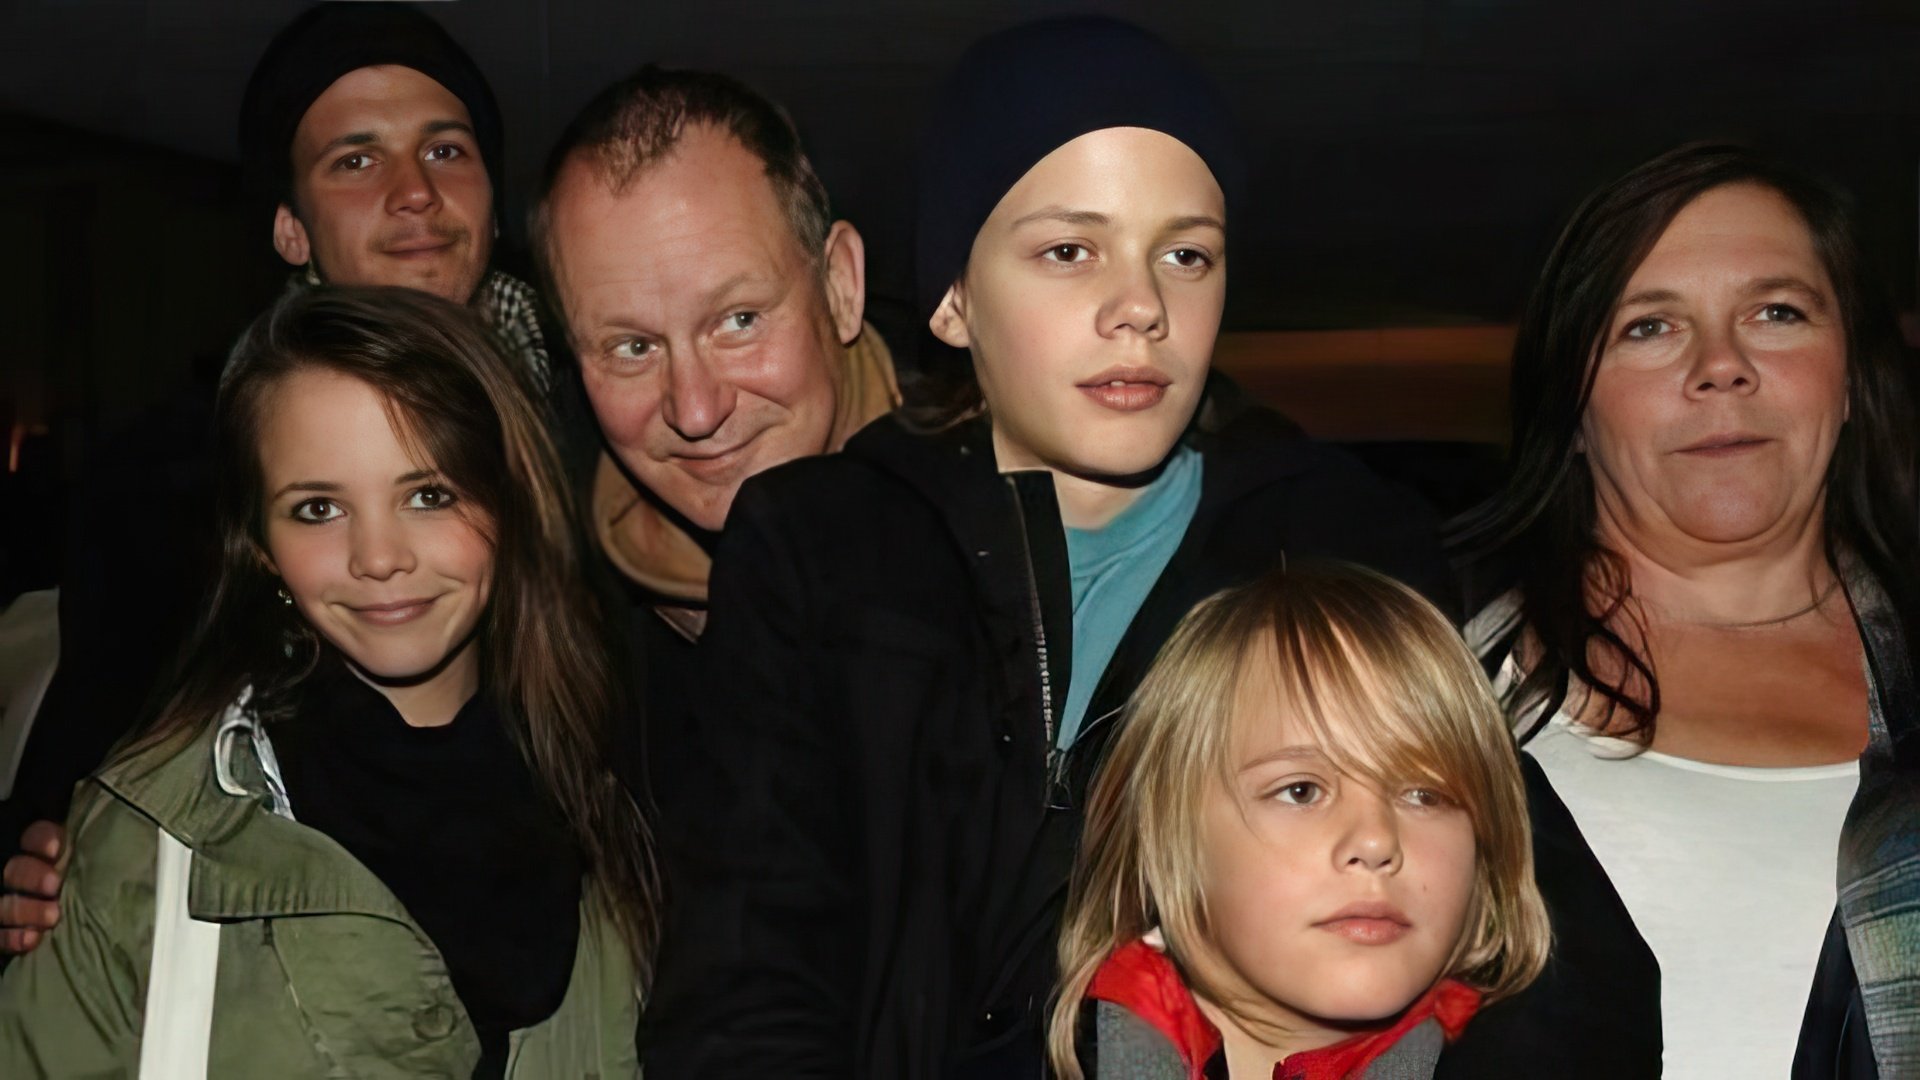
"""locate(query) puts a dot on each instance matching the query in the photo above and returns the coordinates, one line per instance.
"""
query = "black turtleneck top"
(452, 820)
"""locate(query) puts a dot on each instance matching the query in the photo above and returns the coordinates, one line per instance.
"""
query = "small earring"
(285, 596)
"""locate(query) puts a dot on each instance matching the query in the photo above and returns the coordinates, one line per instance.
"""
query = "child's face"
(1091, 302)
(1331, 902)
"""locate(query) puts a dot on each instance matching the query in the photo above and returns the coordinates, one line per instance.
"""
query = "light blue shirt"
(1113, 569)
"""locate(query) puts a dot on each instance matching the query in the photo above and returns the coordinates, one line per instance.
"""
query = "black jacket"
(872, 881)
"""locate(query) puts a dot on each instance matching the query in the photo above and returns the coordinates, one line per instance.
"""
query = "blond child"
(1307, 856)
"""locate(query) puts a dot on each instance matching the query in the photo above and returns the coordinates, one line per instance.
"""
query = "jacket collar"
(217, 795)
(1247, 447)
(1142, 980)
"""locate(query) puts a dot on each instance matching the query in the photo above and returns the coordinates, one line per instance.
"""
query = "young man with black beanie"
(918, 647)
(376, 142)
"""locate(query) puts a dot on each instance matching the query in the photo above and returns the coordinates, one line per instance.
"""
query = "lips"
(1725, 444)
(419, 246)
(421, 251)
(1127, 389)
(1374, 922)
(393, 613)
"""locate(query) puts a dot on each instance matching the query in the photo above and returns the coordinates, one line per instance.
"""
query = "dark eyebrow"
(328, 487)
(368, 138)
(1064, 216)
(1758, 285)
(436, 127)
(1650, 296)
(357, 138)
(321, 486)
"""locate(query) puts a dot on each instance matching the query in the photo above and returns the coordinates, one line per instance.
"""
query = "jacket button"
(433, 1022)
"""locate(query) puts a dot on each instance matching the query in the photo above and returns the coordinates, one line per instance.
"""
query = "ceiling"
(1411, 158)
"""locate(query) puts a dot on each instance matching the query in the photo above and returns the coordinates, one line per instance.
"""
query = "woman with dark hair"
(1708, 643)
(918, 646)
(374, 824)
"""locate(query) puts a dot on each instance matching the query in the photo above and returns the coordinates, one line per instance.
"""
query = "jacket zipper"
(1039, 633)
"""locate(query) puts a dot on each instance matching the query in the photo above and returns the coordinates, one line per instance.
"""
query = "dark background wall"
(1412, 158)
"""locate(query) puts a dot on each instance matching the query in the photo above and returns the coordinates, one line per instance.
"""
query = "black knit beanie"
(1022, 93)
(329, 41)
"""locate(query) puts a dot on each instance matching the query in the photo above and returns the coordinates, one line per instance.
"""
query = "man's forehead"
(382, 99)
(675, 218)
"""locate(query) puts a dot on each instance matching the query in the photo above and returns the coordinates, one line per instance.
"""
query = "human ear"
(844, 268)
(290, 237)
(263, 559)
(949, 321)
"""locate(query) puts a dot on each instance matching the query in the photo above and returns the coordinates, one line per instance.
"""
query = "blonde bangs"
(1385, 687)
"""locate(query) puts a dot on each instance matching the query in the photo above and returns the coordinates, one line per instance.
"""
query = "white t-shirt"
(1729, 874)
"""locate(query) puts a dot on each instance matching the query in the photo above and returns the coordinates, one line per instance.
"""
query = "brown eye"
(431, 498)
(1067, 253)
(1300, 793)
(316, 511)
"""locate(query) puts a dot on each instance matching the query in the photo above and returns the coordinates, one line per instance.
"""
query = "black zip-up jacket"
(873, 877)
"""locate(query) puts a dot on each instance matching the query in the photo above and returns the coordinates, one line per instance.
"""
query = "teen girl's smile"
(375, 549)
(397, 613)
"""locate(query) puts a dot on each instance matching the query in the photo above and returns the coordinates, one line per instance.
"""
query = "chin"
(1362, 1001)
(396, 661)
(1728, 520)
(1116, 451)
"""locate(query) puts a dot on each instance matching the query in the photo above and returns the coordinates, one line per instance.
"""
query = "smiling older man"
(716, 308)
(714, 304)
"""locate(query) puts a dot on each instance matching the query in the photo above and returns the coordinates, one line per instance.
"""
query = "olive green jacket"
(321, 972)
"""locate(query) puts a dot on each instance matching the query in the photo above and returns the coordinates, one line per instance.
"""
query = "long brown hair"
(1538, 533)
(470, 413)
(1390, 693)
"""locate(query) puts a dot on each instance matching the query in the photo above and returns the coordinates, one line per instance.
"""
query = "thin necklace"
(1760, 624)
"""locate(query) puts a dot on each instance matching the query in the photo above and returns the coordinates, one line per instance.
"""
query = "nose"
(379, 548)
(1135, 304)
(411, 189)
(1370, 841)
(698, 398)
(1719, 364)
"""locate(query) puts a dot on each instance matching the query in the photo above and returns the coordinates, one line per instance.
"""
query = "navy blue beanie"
(1020, 94)
(313, 51)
